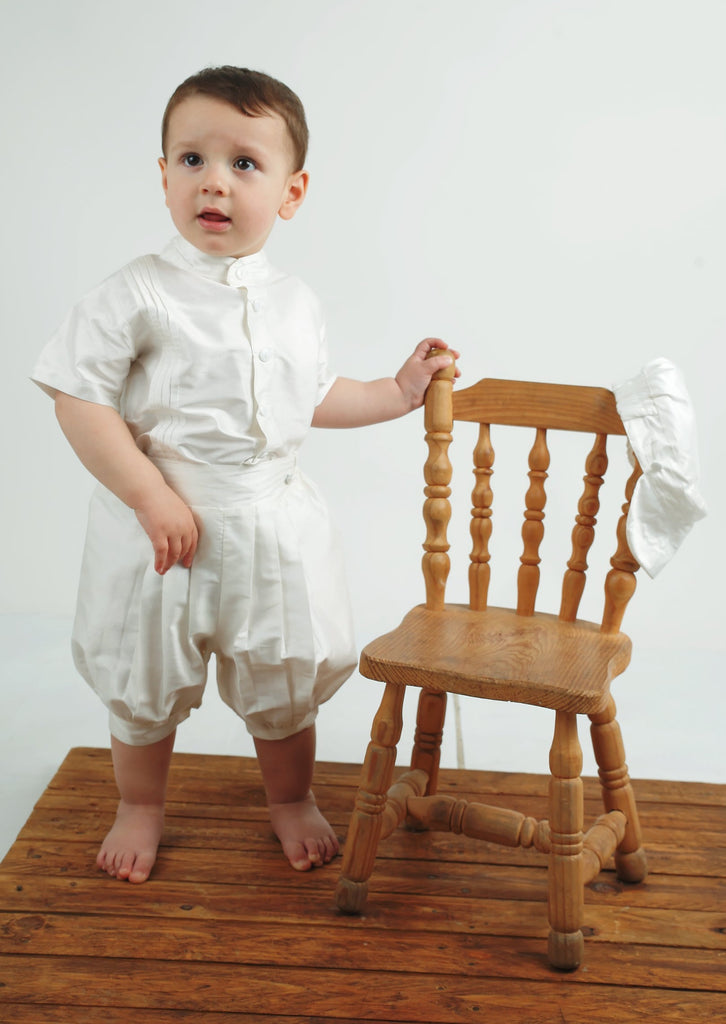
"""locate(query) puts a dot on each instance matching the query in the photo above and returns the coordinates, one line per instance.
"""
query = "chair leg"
(427, 739)
(566, 897)
(364, 832)
(630, 860)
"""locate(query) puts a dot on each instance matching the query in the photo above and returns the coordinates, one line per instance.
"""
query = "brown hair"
(252, 93)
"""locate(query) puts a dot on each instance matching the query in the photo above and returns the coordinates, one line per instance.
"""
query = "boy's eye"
(192, 160)
(243, 163)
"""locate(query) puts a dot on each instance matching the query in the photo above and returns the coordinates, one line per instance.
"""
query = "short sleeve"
(326, 378)
(90, 354)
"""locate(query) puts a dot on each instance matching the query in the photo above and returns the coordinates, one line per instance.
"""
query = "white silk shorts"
(266, 594)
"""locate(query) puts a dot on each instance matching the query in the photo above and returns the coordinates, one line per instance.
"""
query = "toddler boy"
(186, 383)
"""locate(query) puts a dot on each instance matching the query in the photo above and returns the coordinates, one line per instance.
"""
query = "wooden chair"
(521, 655)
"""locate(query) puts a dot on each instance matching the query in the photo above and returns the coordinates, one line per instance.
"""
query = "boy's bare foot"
(129, 849)
(307, 838)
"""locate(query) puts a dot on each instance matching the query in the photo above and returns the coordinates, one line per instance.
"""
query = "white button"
(265, 355)
(262, 409)
(289, 478)
(256, 305)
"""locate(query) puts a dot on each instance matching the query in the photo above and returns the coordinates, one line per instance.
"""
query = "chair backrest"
(542, 407)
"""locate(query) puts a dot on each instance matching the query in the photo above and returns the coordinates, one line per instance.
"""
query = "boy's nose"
(214, 182)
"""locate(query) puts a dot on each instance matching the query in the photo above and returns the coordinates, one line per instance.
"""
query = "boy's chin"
(214, 246)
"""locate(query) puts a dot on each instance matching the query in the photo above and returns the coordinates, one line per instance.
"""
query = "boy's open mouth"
(213, 218)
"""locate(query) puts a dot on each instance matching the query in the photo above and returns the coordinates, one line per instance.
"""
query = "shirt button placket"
(264, 360)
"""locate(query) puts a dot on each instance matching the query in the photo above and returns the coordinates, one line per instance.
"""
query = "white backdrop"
(541, 182)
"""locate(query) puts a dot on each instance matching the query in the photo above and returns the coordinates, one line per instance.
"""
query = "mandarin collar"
(239, 273)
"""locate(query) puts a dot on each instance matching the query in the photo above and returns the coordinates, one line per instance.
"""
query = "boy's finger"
(161, 550)
(175, 551)
(189, 550)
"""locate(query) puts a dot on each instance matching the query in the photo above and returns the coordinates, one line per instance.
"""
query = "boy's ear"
(162, 165)
(297, 186)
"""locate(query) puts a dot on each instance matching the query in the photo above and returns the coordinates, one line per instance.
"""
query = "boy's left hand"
(415, 375)
(355, 403)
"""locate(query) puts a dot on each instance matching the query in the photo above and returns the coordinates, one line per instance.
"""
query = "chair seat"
(537, 659)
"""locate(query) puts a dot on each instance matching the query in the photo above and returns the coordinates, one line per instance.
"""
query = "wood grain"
(530, 404)
(226, 933)
(500, 655)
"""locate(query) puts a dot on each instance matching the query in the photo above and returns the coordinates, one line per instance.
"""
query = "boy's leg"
(129, 849)
(287, 771)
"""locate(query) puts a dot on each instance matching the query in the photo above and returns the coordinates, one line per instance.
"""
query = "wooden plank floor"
(226, 933)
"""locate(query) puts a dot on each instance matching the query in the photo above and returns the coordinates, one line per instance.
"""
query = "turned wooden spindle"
(479, 821)
(481, 521)
(583, 533)
(600, 843)
(438, 421)
(426, 753)
(533, 526)
(411, 784)
(607, 744)
(620, 582)
(566, 896)
(367, 820)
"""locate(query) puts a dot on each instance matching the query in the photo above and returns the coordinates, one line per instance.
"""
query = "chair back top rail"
(529, 404)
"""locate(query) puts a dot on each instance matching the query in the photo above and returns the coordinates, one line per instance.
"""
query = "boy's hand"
(354, 403)
(104, 444)
(171, 528)
(415, 375)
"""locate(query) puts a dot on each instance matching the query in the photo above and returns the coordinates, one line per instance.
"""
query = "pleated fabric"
(266, 594)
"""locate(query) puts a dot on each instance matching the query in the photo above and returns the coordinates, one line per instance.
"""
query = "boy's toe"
(300, 857)
(330, 848)
(125, 864)
(142, 868)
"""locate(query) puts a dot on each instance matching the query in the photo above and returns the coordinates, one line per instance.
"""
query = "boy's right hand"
(104, 444)
(170, 526)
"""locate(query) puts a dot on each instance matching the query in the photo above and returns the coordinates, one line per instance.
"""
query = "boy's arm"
(355, 403)
(105, 446)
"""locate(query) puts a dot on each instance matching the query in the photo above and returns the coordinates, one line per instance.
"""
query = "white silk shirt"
(212, 359)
